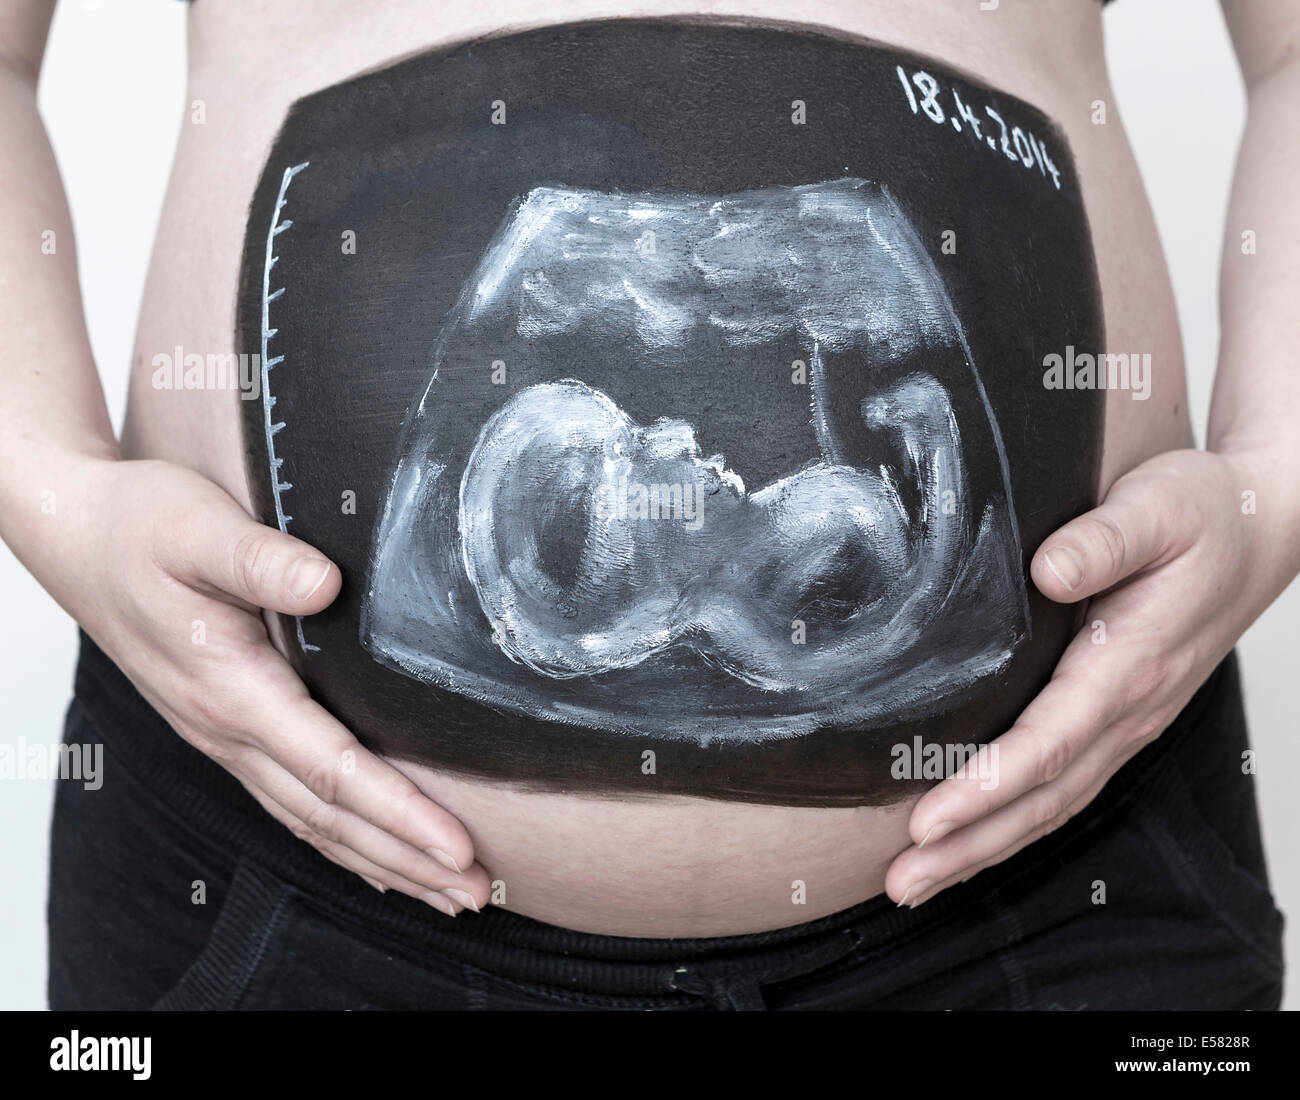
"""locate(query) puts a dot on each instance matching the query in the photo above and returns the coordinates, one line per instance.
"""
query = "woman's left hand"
(1177, 562)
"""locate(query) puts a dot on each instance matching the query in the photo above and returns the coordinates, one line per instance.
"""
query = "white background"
(112, 95)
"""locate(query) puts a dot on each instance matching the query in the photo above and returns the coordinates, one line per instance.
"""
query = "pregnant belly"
(682, 436)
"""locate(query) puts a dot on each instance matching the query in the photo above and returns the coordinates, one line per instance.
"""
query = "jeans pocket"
(1204, 865)
(254, 916)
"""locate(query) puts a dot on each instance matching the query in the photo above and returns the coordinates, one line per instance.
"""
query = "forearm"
(1257, 389)
(1256, 401)
(52, 410)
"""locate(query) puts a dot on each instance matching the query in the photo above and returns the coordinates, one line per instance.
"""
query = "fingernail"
(938, 831)
(440, 902)
(1065, 563)
(915, 891)
(443, 858)
(376, 884)
(307, 576)
(462, 898)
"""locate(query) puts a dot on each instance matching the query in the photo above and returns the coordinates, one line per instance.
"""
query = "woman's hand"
(1177, 563)
(169, 575)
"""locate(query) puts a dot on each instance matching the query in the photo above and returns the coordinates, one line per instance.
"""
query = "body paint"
(672, 423)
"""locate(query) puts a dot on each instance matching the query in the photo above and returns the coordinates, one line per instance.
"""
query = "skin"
(151, 536)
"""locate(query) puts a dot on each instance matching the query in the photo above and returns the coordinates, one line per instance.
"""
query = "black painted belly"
(671, 396)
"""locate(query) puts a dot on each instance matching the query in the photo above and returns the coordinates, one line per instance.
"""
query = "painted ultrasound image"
(645, 416)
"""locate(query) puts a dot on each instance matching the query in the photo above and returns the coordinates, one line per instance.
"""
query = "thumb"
(1135, 527)
(260, 565)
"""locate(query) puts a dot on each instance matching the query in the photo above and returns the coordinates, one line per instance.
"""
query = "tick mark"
(273, 428)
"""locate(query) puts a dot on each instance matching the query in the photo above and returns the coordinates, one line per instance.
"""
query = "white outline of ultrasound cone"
(729, 589)
(422, 615)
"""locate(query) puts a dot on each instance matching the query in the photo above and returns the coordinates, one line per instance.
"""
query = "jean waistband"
(214, 808)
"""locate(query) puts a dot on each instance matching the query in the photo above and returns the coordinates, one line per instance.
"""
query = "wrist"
(1268, 498)
(46, 497)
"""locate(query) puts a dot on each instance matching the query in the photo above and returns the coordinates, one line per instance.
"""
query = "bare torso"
(670, 865)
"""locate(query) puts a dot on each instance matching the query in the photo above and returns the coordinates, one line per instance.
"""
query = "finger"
(332, 764)
(916, 875)
(450, 900)
(347, 831)
(1083, 698)
(1140, 523)
(1032, 815)
(923, 889)
(223, 547)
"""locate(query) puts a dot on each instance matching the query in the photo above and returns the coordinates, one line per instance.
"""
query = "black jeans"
(171, 888)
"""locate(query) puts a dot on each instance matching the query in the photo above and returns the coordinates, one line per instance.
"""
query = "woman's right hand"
(169, 575)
